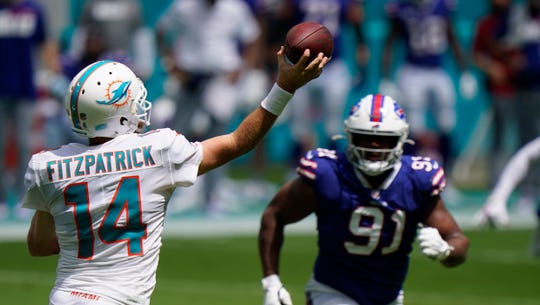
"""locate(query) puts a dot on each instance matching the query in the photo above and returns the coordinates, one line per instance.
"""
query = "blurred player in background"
(274, 20)
(494, 212)
(525, 36)
(493, 55)
(369, 203)
(102, 206)
(23, 34)
(426, 28)
(104, 30)
(208, 48)
(118, 27)
(323, 101)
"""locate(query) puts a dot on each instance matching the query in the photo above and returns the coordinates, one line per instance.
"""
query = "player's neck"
(376, 181)
(98, 141)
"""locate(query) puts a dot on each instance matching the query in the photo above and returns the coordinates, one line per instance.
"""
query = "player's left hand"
(274, 292)
(432, 244)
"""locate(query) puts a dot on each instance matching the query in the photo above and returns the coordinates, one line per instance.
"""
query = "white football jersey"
(516, 169)
(208, 35)
(109, 203)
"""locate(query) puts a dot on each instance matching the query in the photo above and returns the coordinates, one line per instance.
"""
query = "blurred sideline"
(242, 203)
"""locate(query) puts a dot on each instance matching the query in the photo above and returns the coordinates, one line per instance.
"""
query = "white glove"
(493, 213)
(388, 87)
(468, 86)
(432, 244)
(274, 292)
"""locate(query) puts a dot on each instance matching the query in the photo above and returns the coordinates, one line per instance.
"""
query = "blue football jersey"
(365, 235)
(424, 28)
(22, 31)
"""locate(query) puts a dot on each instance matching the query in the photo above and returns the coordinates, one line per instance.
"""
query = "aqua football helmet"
(106, 99)
(376, 131)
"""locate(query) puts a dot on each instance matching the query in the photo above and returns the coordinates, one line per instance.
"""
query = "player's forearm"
(252, 130)
(516, 169)
(41, 238)
(460, 245)
(270, 243)
(222, 149)
(257, 124)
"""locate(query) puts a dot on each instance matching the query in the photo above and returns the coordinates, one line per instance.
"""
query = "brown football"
(308, 35)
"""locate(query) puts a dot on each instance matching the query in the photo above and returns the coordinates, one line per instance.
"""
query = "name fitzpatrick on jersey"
(100, 163)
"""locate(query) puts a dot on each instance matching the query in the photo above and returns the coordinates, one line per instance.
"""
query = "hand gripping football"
(308, 35)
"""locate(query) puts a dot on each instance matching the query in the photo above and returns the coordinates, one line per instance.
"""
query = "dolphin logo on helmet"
(118, 96)
(106, 99)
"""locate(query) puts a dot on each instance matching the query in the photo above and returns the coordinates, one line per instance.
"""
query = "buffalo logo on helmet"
(354, 108)
(399, 111)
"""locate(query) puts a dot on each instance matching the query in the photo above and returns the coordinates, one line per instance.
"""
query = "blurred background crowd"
(466, 72)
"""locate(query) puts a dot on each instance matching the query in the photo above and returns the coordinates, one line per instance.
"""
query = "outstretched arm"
(222, 149)
(41, 239)
(517, 168)
(494, 211)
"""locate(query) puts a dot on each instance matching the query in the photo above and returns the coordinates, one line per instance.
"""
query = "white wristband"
(271, 281)
(276, 100)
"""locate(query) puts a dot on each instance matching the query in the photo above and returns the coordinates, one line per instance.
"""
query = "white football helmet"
(376, 130)
(106, 99)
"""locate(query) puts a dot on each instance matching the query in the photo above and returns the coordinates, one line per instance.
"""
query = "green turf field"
(208, 271)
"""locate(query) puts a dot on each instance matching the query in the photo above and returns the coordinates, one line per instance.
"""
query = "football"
(308, 35)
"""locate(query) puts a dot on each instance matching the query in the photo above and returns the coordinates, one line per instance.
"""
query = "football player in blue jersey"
(26, 50)
(425, 27)
(371, 203)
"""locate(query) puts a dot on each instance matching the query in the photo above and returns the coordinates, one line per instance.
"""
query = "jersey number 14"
(125, 203)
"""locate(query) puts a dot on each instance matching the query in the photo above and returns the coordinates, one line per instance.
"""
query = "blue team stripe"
(76, 91)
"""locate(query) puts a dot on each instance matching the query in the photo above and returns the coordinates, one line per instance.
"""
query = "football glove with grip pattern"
(274, 292)
(432, 244)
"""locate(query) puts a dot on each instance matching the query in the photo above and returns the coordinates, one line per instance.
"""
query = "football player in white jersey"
(102, 206)
(494, 212)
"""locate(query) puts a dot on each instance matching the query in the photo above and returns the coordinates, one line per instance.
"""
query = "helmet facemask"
(373, 154)
(142, 110)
